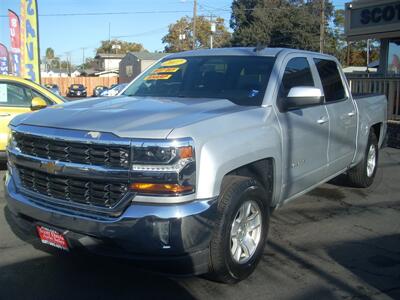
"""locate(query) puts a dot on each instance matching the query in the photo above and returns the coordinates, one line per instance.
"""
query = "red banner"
(15, 36)
(3, 59)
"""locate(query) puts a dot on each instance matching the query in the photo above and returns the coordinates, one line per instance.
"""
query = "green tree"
(180, 34)
(349, 53)
(90, 62)
(49, 53)
(278, 23)
(120, 47)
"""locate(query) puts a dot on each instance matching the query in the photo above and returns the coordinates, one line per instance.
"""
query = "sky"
(74, 32)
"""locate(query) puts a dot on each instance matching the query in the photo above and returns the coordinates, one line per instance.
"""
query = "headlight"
(11, 143)
(164, 167)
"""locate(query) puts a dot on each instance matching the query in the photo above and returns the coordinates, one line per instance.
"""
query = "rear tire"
(362, 175)
(242, 226)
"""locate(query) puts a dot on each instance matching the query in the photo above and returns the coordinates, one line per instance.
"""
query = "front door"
(305, 133)
(14, 100)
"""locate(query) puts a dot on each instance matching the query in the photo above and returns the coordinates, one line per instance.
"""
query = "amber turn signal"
(185, 152)
(160, 188)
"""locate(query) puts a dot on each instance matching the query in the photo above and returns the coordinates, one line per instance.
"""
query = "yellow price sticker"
(158, 77)
(166, 70)
(174, 62)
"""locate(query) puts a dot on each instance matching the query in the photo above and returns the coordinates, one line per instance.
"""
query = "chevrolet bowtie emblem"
(94, 134)
(51, 167)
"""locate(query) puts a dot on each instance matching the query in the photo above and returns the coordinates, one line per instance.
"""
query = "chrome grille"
(80, 191)
(111, 156)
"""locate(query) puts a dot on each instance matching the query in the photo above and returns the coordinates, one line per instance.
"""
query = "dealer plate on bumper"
(52, 238)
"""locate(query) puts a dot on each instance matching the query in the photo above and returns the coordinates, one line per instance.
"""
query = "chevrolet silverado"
(183, 170)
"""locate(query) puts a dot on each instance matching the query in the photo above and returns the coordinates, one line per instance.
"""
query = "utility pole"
(83, 56)
(213, 25)
(322, 28)
(348, 52)
(68, 58)
(194, 22)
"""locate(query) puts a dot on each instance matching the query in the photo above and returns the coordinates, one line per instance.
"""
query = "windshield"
(240, 79)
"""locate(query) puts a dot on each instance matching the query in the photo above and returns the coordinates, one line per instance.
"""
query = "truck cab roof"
(245, 51)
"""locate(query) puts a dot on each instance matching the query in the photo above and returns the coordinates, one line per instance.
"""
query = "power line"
(109, 13)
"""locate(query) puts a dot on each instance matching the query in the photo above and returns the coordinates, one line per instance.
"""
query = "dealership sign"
(373, 19)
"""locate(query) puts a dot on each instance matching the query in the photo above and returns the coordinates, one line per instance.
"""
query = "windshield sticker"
(174, 62)
(158, 77)
(166, 70)
(3, 92)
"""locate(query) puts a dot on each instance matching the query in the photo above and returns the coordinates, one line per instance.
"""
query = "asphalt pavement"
(336, 242)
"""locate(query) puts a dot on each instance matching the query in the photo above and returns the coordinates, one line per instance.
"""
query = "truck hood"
(133, 117)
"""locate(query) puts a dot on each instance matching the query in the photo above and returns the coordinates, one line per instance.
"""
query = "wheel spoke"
(235, 245)
(235, 228)
(240, 214)
(253, 223)
(238, 253)
(247, 209)
(248, 245)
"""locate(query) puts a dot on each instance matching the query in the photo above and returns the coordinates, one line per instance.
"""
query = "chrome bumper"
(162, 231)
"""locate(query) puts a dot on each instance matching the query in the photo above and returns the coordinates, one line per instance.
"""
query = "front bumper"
(76, 94)
(174, 238)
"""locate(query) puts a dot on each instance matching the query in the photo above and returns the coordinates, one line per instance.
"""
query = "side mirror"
(38, 103)
(302, 96)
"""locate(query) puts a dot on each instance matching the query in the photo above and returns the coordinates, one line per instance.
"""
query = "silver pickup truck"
(182, 171)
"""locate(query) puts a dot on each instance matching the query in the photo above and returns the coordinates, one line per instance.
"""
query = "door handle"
(5, 115)
(323, 120)
(351, 114)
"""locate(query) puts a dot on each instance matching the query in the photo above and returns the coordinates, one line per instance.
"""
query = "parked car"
(185, 167)
(53, 88)
(18, 96)
(98, 90)
(77, 90)
(114, 91)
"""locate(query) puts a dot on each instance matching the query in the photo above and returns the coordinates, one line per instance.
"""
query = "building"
(371, 19)
(107, 61)
(379, 20)
(135, 63)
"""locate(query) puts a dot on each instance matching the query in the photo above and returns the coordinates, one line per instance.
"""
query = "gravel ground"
(334, 243)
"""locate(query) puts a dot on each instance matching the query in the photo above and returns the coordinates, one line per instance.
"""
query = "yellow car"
(18, 96)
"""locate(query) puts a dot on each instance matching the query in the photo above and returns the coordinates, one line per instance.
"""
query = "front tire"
(362, 175)
(241, 230)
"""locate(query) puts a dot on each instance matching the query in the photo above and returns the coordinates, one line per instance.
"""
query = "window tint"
(14, 95)
(297, 73)
(331, 80)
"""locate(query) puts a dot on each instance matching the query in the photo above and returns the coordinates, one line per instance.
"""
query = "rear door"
(305, 131)
(342, 116)
(15, 99)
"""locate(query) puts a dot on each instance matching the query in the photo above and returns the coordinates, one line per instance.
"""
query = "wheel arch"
(263, 171)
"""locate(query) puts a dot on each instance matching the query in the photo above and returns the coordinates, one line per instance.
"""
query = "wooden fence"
(89, 82)
(388, 86)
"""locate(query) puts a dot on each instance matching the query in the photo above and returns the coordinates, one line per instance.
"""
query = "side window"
(36, 94)
(331, 80)
(14, 95)
(297, 73)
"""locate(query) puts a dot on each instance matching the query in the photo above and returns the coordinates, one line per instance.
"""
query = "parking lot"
(336, 242)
